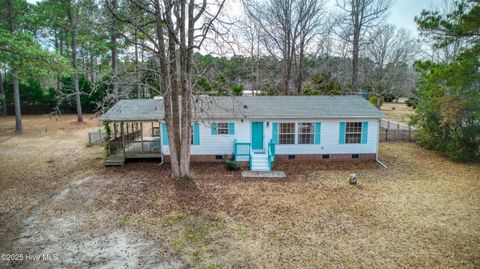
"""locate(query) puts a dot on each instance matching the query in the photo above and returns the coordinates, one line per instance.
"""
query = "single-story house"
(254, 129)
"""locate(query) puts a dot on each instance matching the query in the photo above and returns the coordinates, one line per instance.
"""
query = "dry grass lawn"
(423, 211)
(397, 112)
(50, 153)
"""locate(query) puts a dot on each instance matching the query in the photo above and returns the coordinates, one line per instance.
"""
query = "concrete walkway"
(279, 174)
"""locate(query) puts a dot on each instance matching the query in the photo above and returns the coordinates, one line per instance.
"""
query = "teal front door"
(257, 135)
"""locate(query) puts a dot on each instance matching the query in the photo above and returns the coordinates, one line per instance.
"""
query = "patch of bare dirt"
(51, 182)
(74, 233)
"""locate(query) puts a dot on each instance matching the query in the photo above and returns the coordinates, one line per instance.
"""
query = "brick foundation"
(319, 157)
(284, 158)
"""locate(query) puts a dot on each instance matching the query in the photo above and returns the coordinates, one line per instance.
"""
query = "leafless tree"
(309, 27)
(174, 29)
(392, 51)
(360, 17)
(288, 27)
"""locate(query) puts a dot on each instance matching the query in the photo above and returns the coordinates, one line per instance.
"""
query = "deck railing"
(271, 154)
(150, 146)
(135, 147)
(241, 149)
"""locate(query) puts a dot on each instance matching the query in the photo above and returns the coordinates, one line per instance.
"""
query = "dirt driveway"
(50, 211)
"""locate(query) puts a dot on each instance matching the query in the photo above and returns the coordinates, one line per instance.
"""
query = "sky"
(402, 12)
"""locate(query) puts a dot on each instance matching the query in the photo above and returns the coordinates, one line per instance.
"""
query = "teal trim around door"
(257, 135)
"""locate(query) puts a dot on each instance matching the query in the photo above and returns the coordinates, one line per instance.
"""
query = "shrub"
(231, 164)
(374, 101)
(108, 135)
(412, 101)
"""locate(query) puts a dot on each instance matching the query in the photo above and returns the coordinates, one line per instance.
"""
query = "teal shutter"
(341, 133)
(196, 133)
(318, 129)
(164, 134)
(213, 128)
(364, 132)
(275, 132)
(231, 128)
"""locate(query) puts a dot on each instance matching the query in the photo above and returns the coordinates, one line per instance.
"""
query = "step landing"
(269, 174)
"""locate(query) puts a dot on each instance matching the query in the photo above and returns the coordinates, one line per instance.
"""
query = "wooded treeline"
(110, 59)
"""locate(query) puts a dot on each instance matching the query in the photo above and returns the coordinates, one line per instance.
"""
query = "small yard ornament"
(353, 179)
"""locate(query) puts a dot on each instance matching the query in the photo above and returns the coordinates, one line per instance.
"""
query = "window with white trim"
(353, 133)
(222, 128)
(306, 133)
(286, 133)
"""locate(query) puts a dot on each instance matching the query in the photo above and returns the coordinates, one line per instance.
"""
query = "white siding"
(218, 144)
(223, 144)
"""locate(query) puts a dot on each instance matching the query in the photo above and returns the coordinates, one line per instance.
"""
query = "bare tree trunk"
(355, 49)
(137, 69)
(2, 92)
(93, 72)
(174, 44)
(58, 86)
(168, 97)
(113, 44)
(301, 58)
(73, 33)
(287, 73)
(186, 63)
(16, 98)
(16, 90)
(362, 15)
(57, 50)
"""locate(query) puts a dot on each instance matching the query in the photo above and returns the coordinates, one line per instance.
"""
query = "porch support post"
(123, 138)
(141, 134)
(115, 135)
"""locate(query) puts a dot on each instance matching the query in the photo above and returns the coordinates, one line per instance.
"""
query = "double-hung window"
(287, 133)
(306, 133)
(353, 133)
(222, 128)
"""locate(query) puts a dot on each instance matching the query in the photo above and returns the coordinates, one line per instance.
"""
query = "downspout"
(378, 142)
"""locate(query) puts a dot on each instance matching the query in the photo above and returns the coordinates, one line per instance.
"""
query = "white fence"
(97, 138)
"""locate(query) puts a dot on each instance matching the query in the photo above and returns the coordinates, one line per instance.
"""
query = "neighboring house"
(254, 129)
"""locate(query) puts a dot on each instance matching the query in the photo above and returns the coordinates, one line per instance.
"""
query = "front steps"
(259, 162)
(115, 160)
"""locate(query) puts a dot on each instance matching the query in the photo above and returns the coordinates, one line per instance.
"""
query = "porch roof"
(135, 110)
(251, 107)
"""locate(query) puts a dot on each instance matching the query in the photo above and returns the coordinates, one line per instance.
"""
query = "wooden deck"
(139, 149)
(133, 140)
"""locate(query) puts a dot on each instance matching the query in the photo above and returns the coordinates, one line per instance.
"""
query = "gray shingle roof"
(252, 107)
(135, 109)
